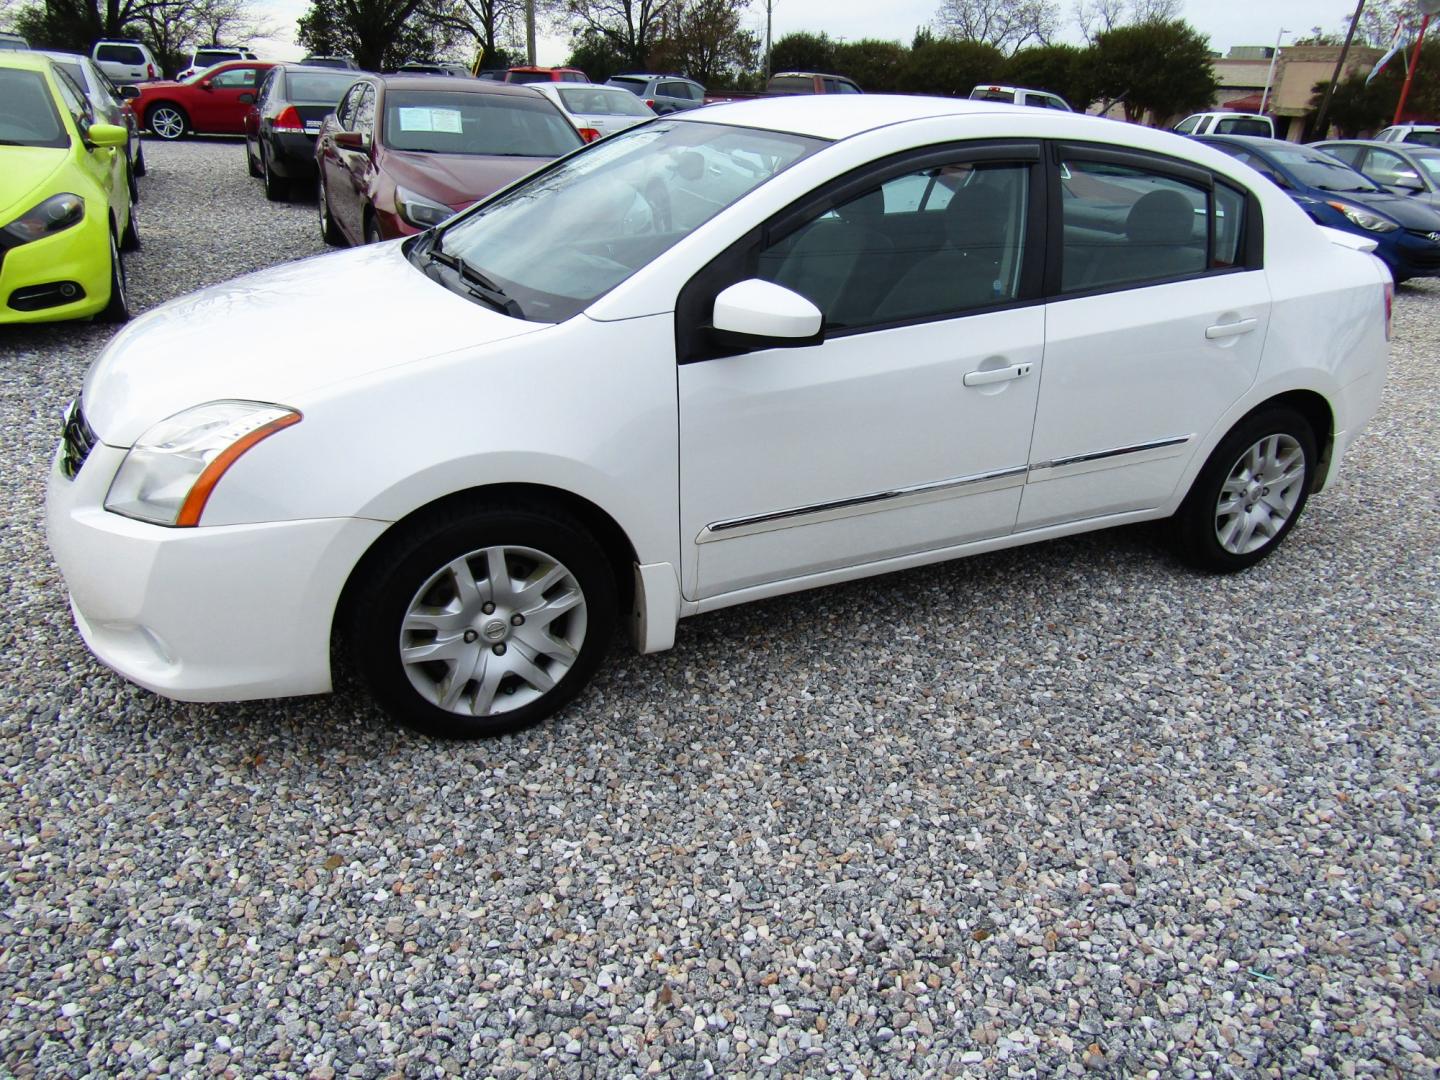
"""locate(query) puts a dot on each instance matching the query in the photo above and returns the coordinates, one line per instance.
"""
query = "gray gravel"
(1061, 809)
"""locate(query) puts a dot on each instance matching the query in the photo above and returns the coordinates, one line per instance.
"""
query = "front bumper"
(80, 254)
(221, 613)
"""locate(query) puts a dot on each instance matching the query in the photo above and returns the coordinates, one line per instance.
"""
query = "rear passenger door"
(1158, 312)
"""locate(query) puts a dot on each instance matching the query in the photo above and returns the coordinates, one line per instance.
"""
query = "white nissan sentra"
(718, 357)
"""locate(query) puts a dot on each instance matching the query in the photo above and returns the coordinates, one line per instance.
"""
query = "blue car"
(1406, 231)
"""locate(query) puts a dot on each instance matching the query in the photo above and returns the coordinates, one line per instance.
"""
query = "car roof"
(835, 116)
(25, 61)
(451, 85)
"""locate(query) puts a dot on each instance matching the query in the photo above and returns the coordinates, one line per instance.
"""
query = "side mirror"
(129, 92)
(206, 84)
(757, 314)
(107, 135)
(352, 140)
(246, 99)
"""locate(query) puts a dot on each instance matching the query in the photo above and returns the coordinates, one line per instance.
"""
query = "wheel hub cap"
(493, 630)
(1259, 496)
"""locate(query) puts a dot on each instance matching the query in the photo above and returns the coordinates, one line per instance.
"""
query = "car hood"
(1408, 211)
(457, 180)
(280, 334)
(22, 170)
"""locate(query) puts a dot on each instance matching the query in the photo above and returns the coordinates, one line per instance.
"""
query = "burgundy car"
(401, 154)
(214, 102)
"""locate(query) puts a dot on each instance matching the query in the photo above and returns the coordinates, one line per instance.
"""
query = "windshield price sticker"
(416, 118)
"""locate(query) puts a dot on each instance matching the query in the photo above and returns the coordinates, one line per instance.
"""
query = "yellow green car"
(65, 211)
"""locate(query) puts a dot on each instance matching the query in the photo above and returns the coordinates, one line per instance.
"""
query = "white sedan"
(595, 111)
(726, 355)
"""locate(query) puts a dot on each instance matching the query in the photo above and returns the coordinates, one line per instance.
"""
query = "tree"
(951, 68)
(1097, 16)
(379, 34)
(877, 66)
(1005, 24)
(596, 55)
(1358, 106)
(1159, 67)
(633, 27)
(803, 52)
(704, 40)
(1066, 70)
(490, 24)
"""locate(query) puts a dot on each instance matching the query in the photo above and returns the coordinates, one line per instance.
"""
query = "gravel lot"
(1060, 809)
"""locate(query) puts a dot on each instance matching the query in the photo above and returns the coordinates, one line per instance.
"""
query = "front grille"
(76, 441)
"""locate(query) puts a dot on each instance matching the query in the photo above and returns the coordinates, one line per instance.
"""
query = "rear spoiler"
(1347, 239)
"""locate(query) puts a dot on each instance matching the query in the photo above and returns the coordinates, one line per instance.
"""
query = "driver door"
(908, 428)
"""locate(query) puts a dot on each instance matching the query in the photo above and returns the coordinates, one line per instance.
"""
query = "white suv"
(1020, 95)
(1226, 123)
(1421, 134)
(126, 61)
(210, 55)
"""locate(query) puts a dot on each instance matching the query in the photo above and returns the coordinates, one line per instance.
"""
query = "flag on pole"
(1397, 42)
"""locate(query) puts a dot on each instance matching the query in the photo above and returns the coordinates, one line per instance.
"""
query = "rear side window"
(635, 86)
(121, 54)
(1243, 125)
(1125, 226)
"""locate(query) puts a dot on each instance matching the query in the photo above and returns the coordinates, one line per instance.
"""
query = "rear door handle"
(1230, 329)
(983, 378)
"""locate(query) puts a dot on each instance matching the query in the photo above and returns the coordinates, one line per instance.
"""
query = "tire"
(277, 188)
(251, 164)
(411, 594)
(130, 238)
(167, 121)
(139, 158)
(1250, 493)
(372, 230)
(329, 231)
(118, 309)
(130, 182)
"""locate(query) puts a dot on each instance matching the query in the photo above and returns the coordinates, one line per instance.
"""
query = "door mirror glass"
(761, 312)
(246, 99)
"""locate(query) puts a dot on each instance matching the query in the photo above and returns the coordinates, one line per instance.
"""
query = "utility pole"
(769, 10)
(1270, 74)
(530, 32)
(1335, 76)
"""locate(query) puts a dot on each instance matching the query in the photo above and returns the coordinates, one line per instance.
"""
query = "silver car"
(596, 111)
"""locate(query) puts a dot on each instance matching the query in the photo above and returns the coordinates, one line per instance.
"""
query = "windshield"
(993, 94)
(573, 233)
(29, 117)
(597, 101)
(1322, 171)
(1243, 125)
(314, 88)
(1424, 138)
(205, 58)
(501, 125)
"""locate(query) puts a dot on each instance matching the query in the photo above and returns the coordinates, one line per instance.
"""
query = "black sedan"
(1405, 168)
(281, 126)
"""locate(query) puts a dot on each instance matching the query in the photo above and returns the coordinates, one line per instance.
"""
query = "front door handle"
(983, 378)
(1230, 329)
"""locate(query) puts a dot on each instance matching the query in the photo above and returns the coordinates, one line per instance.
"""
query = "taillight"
(289, 121)
(1389, 306)
(589, 134)
(150, 71)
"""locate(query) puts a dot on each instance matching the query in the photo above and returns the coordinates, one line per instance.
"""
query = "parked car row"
(67, 192)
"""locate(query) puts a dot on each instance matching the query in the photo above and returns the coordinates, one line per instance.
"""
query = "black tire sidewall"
(402, 564)
(1196, 521)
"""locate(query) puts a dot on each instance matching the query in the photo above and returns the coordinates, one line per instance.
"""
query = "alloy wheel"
(493, 630)
(168, 123)
(1260, 494)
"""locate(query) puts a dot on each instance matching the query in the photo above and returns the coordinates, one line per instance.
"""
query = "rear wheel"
(118, 309)
(372, 230)
(277, 188)
(481, 620)
(167, 121)
(1250, 493)
(251, 164)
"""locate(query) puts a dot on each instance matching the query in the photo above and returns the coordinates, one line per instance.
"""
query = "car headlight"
(169, 473)
(55, 213)
(420, 211)
(1364, 218)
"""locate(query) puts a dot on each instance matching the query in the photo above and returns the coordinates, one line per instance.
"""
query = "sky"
(1227, 22)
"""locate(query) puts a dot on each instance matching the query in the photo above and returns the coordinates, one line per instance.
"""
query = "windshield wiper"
(476, 283)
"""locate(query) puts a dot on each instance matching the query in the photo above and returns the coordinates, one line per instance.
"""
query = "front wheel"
(481, 621)
(329, 231)
(1250, 493)
(167, 121)
(118, 309)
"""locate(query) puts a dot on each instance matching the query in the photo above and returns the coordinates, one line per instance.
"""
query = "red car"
(526, 74)
(212, 102)
(403, 153)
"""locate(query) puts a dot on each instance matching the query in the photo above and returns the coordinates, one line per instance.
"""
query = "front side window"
(465, 123)
(1387, 168)
(928, 244)
(1129, 226)
(75, 100)
(363, 118)
(574, 232)
(345, 112)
